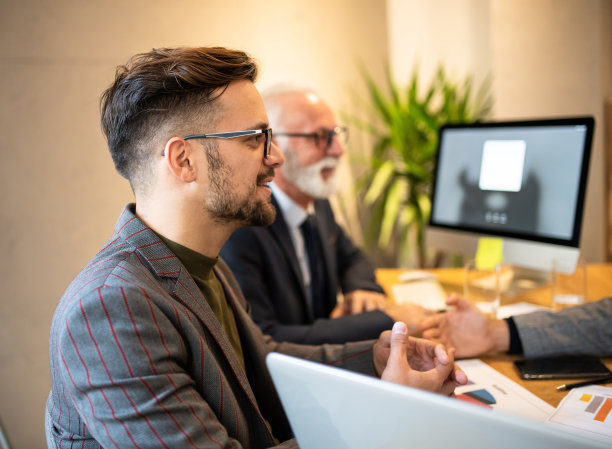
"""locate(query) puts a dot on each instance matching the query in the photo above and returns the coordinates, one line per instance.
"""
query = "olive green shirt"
(201, 270)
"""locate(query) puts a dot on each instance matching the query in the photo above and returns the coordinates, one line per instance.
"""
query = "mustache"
(328, 162)
(267, 173)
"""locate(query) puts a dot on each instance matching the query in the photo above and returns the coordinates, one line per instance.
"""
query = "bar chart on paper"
(587, 410)
(491, 389)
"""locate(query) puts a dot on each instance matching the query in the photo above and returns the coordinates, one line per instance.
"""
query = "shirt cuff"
(516, 346)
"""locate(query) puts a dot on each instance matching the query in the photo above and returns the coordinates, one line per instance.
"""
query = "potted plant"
(397, 183)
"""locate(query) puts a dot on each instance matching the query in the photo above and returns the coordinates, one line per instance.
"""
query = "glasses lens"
(342, 134)
(324, 137)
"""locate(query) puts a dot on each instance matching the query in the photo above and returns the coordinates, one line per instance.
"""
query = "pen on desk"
(599, 380)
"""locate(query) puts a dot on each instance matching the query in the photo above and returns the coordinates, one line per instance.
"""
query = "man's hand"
(467, 330)
(411, 314)
(416, 362)
(359, 301)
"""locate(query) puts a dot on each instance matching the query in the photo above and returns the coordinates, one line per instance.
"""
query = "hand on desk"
(359, 301)
(466, 329)
(415, 362)
(412, 314)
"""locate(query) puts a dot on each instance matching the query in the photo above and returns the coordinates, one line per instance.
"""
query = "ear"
(179, 159)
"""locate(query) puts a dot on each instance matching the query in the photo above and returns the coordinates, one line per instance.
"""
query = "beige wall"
(60, 194)
(548, 58)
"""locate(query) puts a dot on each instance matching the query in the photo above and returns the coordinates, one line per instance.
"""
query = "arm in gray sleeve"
(584, 330)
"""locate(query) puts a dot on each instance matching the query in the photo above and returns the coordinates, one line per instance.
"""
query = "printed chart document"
(489, 388)
(586, 410)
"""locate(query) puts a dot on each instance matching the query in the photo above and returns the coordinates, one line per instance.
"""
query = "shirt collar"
(293, 213)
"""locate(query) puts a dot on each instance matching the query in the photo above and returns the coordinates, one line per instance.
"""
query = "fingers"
(369, 303)
(441, 354)
(432, 334)
(337, 312)
(381, 351)
(452, 299)
(460, 376)
(359, 305)
(456, 376)
(364, 301)
(420, 363)
(432, 321)
(462, 303)
(448, 387)
(445, 372)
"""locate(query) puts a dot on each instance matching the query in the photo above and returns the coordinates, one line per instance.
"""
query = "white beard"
(308, 179)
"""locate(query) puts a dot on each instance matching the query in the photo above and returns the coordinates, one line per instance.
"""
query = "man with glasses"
(152, 345)
(291, 272)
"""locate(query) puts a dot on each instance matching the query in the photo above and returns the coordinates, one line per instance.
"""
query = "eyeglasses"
(232, 135)
(322, 138)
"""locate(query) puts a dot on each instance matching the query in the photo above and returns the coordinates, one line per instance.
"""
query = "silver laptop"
(334, 408)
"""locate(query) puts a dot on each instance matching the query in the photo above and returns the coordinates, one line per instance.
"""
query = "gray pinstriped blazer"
(138, 358)
(584, 330)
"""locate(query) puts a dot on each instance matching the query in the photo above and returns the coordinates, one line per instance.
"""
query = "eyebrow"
(261, 125)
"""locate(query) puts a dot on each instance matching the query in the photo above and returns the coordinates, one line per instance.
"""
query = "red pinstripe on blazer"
(138, 359)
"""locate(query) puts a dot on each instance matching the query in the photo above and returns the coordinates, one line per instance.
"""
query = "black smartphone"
(561, 368)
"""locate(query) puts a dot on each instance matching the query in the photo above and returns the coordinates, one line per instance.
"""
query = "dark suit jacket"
(265, 264)
(138, 358)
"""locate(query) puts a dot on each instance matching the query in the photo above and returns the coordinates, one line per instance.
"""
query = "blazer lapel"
(255, 352)
(188, 293)
(328, 240)
(163, 263)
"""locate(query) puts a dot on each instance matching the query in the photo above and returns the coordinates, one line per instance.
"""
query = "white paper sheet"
(490, 388)
(586, 410)
(427, 293)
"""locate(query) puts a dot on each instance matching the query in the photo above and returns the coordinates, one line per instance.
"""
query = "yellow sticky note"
(489, 253)
(586, 397)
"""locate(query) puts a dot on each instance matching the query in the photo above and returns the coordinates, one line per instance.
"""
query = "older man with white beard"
(292, 271)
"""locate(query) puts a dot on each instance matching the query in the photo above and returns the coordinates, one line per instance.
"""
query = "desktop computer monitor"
(522, 181)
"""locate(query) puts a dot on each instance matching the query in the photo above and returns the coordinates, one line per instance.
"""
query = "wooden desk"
(599, 285)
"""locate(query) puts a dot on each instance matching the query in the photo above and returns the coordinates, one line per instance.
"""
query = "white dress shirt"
(294, 216)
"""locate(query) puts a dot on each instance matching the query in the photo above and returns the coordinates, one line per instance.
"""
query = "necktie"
(312, 243)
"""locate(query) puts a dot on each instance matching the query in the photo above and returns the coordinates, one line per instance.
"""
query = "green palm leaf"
(404, 126)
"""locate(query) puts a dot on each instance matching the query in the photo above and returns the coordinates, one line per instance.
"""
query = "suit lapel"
(255, 352)
(188, 293)
(163, 263)
(328, 240)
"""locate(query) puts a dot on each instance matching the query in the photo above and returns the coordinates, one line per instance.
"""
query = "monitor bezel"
(574, 240)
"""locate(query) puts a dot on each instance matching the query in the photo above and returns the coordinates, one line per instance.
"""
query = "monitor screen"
(524, 181)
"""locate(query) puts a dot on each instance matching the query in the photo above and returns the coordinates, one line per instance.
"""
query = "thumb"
(397, 364)
(399, 341)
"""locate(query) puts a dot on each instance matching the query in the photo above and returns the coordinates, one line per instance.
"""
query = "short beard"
(222, 202)
(308, 179)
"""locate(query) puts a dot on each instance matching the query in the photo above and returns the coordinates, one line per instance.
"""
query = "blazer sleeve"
(349, 328)
(580, 330)
(125, 367)
(270, 287)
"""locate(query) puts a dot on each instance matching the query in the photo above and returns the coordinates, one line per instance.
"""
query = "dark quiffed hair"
(162, 91)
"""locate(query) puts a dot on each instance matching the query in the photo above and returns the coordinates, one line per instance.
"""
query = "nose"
(335, 147)
(275, 159)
